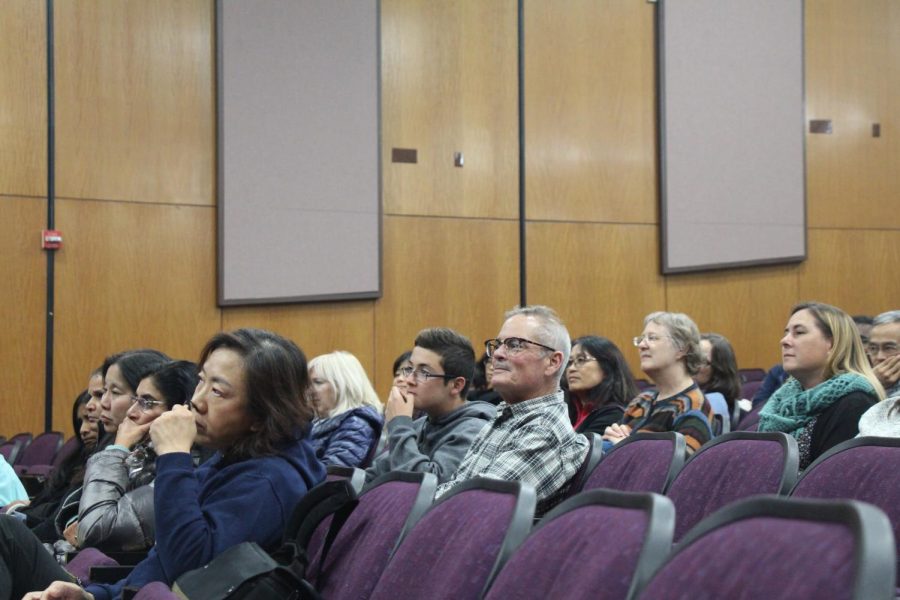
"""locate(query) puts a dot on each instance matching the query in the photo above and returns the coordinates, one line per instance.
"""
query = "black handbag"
(247, 572)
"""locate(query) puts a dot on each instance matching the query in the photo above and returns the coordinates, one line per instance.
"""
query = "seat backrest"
(576, 483)
(750, 421)
(749, 389)
(460, 543)
(730, 468)
(42, 450)
(10, 451)
(779, 548)
(21, 441)
(864, 469)
(71, 446)
(388, 506)
(356, 476)
(748, 375)
(643, 462)
(579, 535)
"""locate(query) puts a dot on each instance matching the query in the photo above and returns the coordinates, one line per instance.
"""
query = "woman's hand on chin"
(130, 433)
(173, 431)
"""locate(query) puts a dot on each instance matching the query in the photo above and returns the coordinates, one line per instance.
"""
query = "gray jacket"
(113, 514)
(426, 446)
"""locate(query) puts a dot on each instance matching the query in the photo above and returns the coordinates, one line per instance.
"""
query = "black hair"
(400, 360)
(135, 364)
(176, 381)
(618, 385)
(455, 350)
(724, 377)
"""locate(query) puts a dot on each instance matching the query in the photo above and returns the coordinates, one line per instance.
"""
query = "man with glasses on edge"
(883, 349)
(443, 364)
(531, 439)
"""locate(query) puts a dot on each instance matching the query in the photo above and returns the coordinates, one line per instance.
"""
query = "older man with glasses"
(883, 348)
(442, 367)
(531, 439)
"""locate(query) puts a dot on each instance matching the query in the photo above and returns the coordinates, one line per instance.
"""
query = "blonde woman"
(831, 383)
(348, 412)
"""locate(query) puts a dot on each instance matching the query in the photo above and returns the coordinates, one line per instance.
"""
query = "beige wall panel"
(316, 328)
(135, 104)
(748, 306)
(456, 273)
(449, 84)
(23, 98)
(22, 301)
(130, 275)
(852, 56)
(602, 279)
(855, 270)
(590, 113)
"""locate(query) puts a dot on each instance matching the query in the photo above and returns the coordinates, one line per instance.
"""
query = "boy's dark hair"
(455, 350)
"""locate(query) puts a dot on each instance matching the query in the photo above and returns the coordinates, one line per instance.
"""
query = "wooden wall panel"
(457, 273)
(22, 302)
(590, 112)
(131, 275)
(602, 279)
(855, 270)
(135, 105)
(852, 52)
(316, 328)
(748, 306)
(23, 98)
(450, 84)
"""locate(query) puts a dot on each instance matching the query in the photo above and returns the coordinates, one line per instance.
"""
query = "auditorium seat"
(781, 549)
(642, 462)
(864, 468)
(41, 451)
(599, 544)
(458, 545)
(364, 539)
(728, 468)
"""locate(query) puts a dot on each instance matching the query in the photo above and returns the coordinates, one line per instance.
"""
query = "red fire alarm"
(51, 239)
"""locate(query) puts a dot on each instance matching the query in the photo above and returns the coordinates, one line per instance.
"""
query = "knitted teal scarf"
(791, 407)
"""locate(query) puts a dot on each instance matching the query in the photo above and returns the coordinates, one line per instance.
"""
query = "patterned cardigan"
(687, 412)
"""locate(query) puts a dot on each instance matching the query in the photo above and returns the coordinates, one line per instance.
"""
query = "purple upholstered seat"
(748, 375)
(356, 476)
(155, 591)
(10, 451)
(80, 566)
(779, 548)
(643, 462)
(459, 544)
(750, 421)
(359, 552)
(45, 470)
(602, 543)
(41, 451)
(864, 469)
(730, 468)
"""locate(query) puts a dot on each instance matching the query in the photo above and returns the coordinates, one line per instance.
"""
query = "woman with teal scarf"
(831, 383)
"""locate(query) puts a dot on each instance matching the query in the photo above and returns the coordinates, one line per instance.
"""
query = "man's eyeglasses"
(579, 361)
(514, 345)
(651, 338)
(422, 376)
(146, 404)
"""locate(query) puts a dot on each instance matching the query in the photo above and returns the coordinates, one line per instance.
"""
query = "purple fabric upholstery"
(749, 389)
(80, 566)
(748, 375)
(635, 466)
(9, 450)
(41, 451)
(867, 473)
(762, 557)
(582, 564)
(45, 470)
(722, 473)
(156, 590)
(751, 420)
(453, 547)
(361, 549)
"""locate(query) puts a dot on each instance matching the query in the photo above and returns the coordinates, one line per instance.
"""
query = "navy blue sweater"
(200, 513)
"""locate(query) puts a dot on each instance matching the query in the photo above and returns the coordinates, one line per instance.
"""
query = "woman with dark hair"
(831, 383)
(600, 384)
(121, 375)
(249, 406)
(481, 389)
(116, 507)
(718, 374)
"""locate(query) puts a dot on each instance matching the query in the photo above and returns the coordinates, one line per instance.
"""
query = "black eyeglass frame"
(491, 342)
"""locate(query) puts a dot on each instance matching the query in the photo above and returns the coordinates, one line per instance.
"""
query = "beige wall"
(136, 184)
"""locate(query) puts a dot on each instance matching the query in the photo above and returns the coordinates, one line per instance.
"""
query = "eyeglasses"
(890, 348)
(579, 361)
(651, 338)
(513, 344)
(145, 404)
(422, 376)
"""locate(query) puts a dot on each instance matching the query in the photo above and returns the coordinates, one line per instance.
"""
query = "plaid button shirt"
(531, 441)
